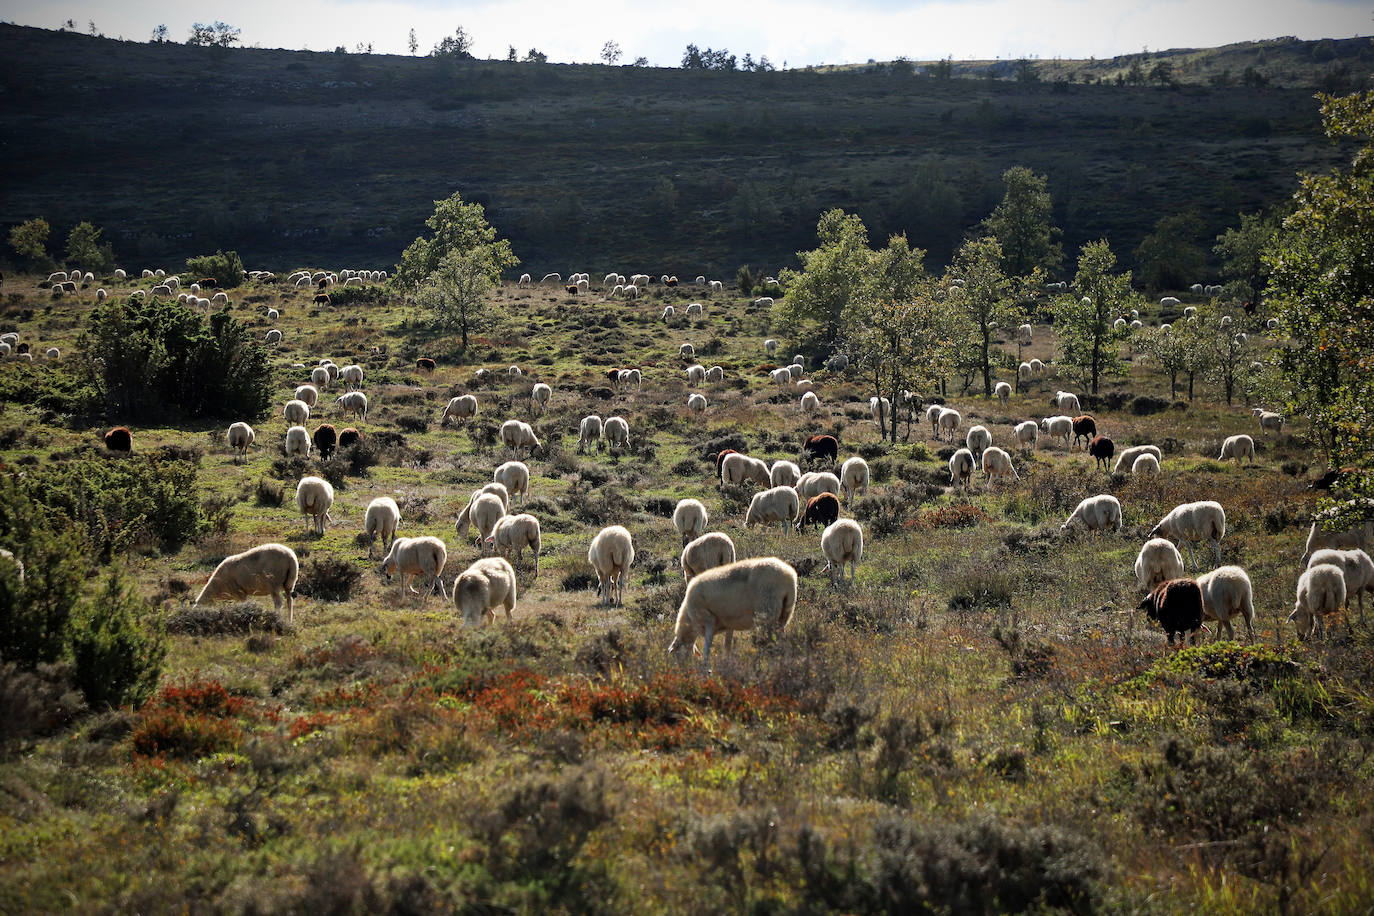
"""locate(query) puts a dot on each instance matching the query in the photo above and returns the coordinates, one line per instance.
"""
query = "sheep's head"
(1304, 621)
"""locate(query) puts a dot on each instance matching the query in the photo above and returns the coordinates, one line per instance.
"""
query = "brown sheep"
(120, 439)
(1102, 449)
(325, 439)
(424, 364)
(323, 299)
(349, 436)
(820, 510)
(1176, 605)
(1084, 427)
(821, 448)
(208, 283)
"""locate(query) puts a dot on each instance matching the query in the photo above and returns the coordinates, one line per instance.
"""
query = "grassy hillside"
(981, 723)
(299, 157)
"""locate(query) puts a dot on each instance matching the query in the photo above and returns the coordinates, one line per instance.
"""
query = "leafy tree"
(1162, 73)
(456, 291)
(611, 53)
(1227, 352)
(117, 646)
(536, 56)
(1168, 349)
(218, 35)
(224, 266)
(457, 226)
(691, 58)
(159, 34)
(458, 45)
(29, 240)
(1026, 72)
(941, 69)
(1242, 251)
(1022, 226)
(1088, 342)
(413, 43)
(985, 301)
(1170, 257)
(641, 62)
(84, 249)
(832, 276)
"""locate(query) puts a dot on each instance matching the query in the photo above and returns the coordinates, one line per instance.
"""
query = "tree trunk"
(1173, 385)
(1190, 385)
(987, 368)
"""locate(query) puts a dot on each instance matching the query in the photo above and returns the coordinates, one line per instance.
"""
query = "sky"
(797, 32)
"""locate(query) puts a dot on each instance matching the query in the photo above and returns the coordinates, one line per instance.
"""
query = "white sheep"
(696, 403)
(296, 412)
(1199, 522)
(1318, 538)
(515, 533)
(696, 375)
(949, 421)
(715, 375)
(517, 436)
(1158, 561)
(1268, 420)
(784, 474)
(933, 418)
(1237, 448)
(273, 336)
(810, 403)
(540, 395)
(842, 542)
(484, 586)
(1023, 373)
(1025, 333)
(1067, 401)
(781, 377)
(733, 598)
(589, 434)
(353, 402)
(961, 467)
(499, 491)
(814, 483)
(690, 519)
(717, 286)
(353, 375)
(515, 477)
(421, 556)
(804, 384)
(268, 569)
(687, 351)
(462, 407)
(380, 520)
(795, 371)
(880, 409)
(307, 394)
(1126, 457)
(629, 377)
(611, 553)
(853, 478)
(1037, 366)
(770, 346)
(1169, 301)
(706, 552)
(765, 301)
(617, 433)
(484, 509)
(694, 310)
(320, 377)
(298, 442)
(736, 468)
(1096, 513)
(772, 506)
(1226, 593)
(1058, 428)
(1321, 591)
(314, 497)
(1026, 434)
(669, 312)
(997, 464)
(240, 438)
(1358, 569)
(978, 440)
(1002, 391)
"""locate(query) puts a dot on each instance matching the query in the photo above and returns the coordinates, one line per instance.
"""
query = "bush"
(118, 656)
(34, 613)
(225, 266)
(237, 619)
(328, 579)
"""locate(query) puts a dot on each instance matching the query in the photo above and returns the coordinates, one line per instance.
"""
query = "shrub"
(118, 656)
(36, 702)
(413, 422)
(328, 579)
(225, 266)
(357, 295)
(269, 493)
(239, 618)
(34, 613)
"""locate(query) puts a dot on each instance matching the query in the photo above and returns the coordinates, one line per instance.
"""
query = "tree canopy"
(457, 226)
(1088, 342)
(1022, 224)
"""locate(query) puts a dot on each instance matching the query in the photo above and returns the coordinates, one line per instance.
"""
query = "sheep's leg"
(710, 632)
(1216, 549)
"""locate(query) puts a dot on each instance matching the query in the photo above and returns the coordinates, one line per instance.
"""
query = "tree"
(1022, 226)
(1169, 257)
(691, 58)
(458, 45)
(29, 240)
(941, 69)
(226, 267)
(456, 292)
(1168, 350)
(1026, 72)
(217, 34)
(85, 250)
(901, 345)
(159, 34)
(536, 56)
(413, 43)
(833, 275)
(1162, 73)
(641, 62)
(1088, 343)
(1242, 252)
(1226, 352)
(610, 53)
(512, 55)
(984, 302)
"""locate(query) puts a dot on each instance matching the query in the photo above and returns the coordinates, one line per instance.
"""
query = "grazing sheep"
(950, 420)
(462, 407)
(273, 336)
(1084, 427)
(795, 372)
(1237, 448)
(1058, 428)
(690, 519)
(1319, 537)
(842, 542)
(772, 506)
(411, 557)
(325, 439)
(1038, 367)
(1026, 434)
(611, 553)
(1268, 420)
(781, 377)
(540, 395)
(1321, 591)
(1177, 606)
(669, 312)
(733, 598)
(308, 395)
(706, 552)
(630, 377)
(119, 439)
(784, 474)
(515, 533)
(961, 465)
(353, 402)
(320, 377)
(589, 434)
(297, 442)
(804, 384)
(484, 509)
(1023, 373)
(820, 448)
(268, 569)
(1198, 522)
(1145, 465)
(1066, 401)
(617, 433)
(821, 509)
(1158, 561)
(1226, 593)
(696, 403)
(770, 346)
(425, 364)
(715, 375)
(497, 489)
(880, 409)
(1025, 333)
(381, 518)
(687, 351)
(349, 436)
(853, 478)
(314, 497)
(353, 375)
(978, 441)
(240, 438)
(1358, 569)
(810, 403)
(814, 483)
(736, 468)
(694, 310)
(1002, 391)
(515, 477)
(296, 412)
(1102, 449)
(997, 463)
(1127, 456)
(1096, 513)
(933, 418)
(487, 584)
(518, 435)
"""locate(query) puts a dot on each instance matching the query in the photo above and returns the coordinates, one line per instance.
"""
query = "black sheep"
(1176, 605)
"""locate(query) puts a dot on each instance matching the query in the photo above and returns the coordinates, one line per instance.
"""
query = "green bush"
(224, 266)
(118, 655)
(34, 613)
(154, 358)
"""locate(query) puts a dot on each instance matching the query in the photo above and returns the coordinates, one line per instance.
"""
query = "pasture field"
(982, 723)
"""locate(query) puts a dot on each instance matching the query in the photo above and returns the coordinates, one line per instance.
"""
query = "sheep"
(1002, 391)
(1358, 569)
(296, 412)
(736, 468)
(540, 395)
(268, 569)
(514, 370)
(617, 433)
(694, 310)
(515, 477)
(240, 438)
(1060, 427)
(1066, 401)
(1237, 448)
(297, 442)
(784, 474)
(1145, 465)
(978, 441)
(733, 598)
(314, 497)
(690, 519)
(517, 435)
(781, 377)
(1272, 324)
(1197, 521)
(320, 377)
(308, 395)
(1177, 606)
(1026, 434)
(820, 448)
(516, 532)
(1321, 591)
(554, 277)
(853, 478)
(420, 556)
(961, 467)
(1126, 458)
(349, 436)
(101, 295)
(880, 409)
(669, 312)
(487, 584)
(425, 364)
(717, 286)
(997, 463)
(629, 377)
(765, 301)
(1102, 449)
(715, 375)
(1226, 592)
(1025, 333)
(706, 552)
(771, 506)
(696, 403)
(497, 489)
(687, 351)
(220, 299)
(353, 402)
(611, 553)
(933, 418)
(1085, 428)
(770, 346)
(795, 371)
(1096, 513)
(1318, 538)
(950, 420)
(1023, 374)
(353, 375)
(842, 542)
(1120, 324)
(696, 375)
(821, 509)
(810, 403)
(1037, 367)
(1158, 561)
(804, 384)
(589, 433)
(273, 336)
(119, 273)
(381, 518)
(1268, 420)
(462, 407)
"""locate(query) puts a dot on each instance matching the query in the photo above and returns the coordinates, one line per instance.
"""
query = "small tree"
(159, 34)
(1169, 257)
(1088, 342)
(224, 266)
(1168, 350)
(413, 43)
(29, 240)
(456, 292)
(833, 275)
(610, 53)
(458, 226)
(900, 346)
(1022, 225)
(85, 250)
(1242, 251)
(984, 302)
(458, 45)
(536, 56)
